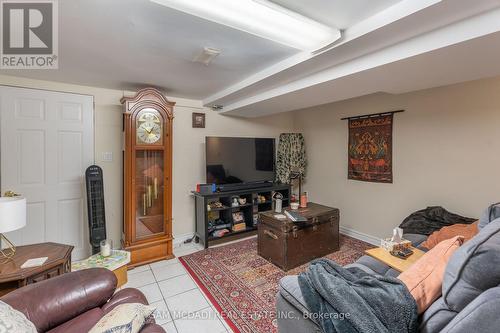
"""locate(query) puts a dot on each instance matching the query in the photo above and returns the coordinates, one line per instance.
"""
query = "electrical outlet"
(107, 156)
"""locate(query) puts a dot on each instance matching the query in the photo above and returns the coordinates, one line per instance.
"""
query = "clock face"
(148, 128)
(149, 132)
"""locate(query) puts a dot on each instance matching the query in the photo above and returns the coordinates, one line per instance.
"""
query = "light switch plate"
(107, 156)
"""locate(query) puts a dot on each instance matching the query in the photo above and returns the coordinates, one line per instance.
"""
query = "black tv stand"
(258, 200)
(243, 186)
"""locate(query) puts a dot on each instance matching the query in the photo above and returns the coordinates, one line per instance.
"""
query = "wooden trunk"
(288, 244)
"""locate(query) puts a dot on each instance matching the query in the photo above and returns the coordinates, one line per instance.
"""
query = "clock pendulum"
(155, 180)
(145, 194)
(150, 173)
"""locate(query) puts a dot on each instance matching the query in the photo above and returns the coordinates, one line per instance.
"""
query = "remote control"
(402, 254)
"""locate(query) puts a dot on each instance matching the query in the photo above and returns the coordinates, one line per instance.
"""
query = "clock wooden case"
(147, 185)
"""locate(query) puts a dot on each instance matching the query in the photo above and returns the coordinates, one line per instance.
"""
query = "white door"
(47, 142)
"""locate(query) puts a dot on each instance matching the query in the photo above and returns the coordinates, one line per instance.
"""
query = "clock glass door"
(149, 193)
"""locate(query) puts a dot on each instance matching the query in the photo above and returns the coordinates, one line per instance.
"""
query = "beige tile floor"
(181, 306)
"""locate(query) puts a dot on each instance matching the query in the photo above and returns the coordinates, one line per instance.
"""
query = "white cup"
(106, 246)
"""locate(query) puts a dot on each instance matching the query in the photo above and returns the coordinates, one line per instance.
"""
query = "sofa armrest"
(480, 315)
(54, 301)
(127, 295)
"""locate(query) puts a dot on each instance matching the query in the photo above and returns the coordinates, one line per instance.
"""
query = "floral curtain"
(291, 156)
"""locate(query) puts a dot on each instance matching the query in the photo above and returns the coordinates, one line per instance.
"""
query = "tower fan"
(95, 206)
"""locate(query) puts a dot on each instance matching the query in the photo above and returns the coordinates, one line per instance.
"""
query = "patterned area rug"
(243, 286)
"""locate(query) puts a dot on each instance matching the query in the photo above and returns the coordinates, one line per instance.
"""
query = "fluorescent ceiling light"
(261, 18)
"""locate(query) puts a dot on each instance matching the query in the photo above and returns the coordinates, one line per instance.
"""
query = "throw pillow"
(13, 321)
(467, 231)
(125, 318)
(424, 278)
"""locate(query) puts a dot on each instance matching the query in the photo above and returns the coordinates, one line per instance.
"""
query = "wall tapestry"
(370, 149)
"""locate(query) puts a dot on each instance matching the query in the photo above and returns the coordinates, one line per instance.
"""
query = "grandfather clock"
(147, 185)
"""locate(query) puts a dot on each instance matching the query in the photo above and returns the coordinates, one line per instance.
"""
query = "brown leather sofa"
(74, 302)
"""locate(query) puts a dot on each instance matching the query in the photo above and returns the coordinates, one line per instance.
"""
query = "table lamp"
(12, 217)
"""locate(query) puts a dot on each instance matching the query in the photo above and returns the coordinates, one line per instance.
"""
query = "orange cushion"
(466, 230)
(425, 277)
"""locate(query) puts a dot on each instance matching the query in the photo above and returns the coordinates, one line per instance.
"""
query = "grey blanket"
(350, 300)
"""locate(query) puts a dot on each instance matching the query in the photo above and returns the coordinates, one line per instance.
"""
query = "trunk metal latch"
(333, 219)
(315, 223)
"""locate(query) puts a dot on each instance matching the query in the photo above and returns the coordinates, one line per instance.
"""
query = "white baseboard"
(360, 235)
(179, 239)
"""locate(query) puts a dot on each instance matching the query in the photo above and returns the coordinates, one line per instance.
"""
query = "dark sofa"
(74, 302)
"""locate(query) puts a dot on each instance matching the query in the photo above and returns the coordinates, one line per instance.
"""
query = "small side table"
(398, 264)
(58, 262)
(116, 262)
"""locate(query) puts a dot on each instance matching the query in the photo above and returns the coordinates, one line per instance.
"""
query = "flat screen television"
(239, 160)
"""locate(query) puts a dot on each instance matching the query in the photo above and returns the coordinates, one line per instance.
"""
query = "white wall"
(445, 150)
(189, 150)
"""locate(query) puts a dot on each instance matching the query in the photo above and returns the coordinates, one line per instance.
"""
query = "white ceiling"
(129, 44)
(419, 35)
(388, 46)
(340, 14)
(439, 67)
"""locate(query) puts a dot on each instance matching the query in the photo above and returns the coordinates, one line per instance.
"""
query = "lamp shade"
(12, 213)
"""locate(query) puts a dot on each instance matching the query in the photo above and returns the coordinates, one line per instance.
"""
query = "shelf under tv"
(224, 214)
(231, 233)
